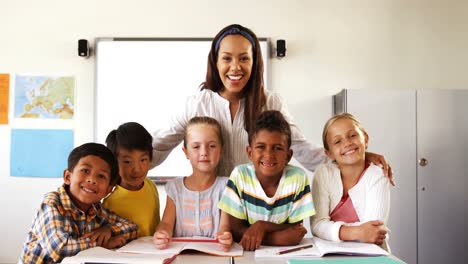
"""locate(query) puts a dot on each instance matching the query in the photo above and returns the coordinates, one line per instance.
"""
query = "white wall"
(331, 44)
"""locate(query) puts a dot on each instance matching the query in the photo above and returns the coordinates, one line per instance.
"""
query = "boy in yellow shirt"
(136, 196)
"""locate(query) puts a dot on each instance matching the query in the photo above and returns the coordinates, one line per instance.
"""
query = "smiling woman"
(233, 93)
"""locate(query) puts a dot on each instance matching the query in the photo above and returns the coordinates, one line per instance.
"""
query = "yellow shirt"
(141, 207)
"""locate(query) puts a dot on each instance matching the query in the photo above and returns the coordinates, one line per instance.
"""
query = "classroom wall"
(331, 45)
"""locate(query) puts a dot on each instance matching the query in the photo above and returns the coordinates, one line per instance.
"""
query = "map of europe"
(44, 97)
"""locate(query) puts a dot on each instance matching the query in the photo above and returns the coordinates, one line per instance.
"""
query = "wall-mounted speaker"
(281, 48)
(83, 48)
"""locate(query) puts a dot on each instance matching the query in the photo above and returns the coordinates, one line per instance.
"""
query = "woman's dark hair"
(253, 92)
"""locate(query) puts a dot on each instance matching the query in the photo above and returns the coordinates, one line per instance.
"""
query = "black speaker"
(83, 48)
(281, 48)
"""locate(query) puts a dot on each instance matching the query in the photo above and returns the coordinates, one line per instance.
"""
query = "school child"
(191, 208)
(72, 218)
(267, 199)
(352, 195)
(136, 196)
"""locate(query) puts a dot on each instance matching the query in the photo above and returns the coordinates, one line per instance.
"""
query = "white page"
(348, 248)
(322, 247)
(271, 251)
(102, 255)
(145, 245)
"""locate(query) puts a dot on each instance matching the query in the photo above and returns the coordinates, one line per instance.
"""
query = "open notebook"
(102, 255)
(320, 248)
(354, 260)
(209, 246)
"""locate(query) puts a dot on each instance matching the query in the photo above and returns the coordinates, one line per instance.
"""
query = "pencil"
(294, 249)
(177, 239)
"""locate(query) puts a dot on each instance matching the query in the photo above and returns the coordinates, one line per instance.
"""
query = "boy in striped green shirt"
(267, 199)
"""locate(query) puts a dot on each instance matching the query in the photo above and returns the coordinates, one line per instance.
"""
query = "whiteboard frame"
(173, 166)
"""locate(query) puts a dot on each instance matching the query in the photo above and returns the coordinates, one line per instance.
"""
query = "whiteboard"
(145, 81)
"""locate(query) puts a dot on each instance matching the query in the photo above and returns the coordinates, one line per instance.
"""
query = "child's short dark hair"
(98, 150)
(130, 136)
(272, 121)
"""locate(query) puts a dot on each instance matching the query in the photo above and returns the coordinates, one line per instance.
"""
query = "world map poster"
(44, 97)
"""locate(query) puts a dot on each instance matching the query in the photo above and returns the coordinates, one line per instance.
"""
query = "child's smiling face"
(347, 143)
(270, 153)
(89, 181)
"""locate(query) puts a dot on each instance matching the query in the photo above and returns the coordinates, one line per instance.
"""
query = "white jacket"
(370, 196)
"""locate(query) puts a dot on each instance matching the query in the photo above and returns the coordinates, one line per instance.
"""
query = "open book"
(102, 255)
(145, 245)
(316, 247)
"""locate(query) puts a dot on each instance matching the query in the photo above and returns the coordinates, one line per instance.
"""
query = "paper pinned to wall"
(40, 152)
(4, 97)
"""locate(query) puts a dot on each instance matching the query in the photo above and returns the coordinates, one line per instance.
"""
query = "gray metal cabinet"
(424, 135)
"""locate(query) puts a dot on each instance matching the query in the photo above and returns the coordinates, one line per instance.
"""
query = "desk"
(247, 258)
(106, 256)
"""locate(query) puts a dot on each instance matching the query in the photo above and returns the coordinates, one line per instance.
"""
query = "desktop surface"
(247, 258)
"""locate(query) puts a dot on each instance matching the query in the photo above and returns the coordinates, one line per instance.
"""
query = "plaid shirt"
(58, 226)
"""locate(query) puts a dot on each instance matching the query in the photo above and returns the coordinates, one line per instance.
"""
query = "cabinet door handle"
(423, 162)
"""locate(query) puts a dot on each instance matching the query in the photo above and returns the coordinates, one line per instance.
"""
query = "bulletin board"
(145, 80)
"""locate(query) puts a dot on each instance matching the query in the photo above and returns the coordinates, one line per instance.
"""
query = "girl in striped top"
(191, 207)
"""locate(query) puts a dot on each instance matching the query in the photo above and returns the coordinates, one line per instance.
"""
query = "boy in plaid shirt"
(72, 219)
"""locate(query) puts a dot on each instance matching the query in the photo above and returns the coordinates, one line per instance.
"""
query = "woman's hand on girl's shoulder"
(382, 162)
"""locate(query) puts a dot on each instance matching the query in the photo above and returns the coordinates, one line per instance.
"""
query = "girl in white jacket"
(351, 195)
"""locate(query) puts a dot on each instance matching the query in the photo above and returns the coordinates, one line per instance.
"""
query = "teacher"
(233, 93)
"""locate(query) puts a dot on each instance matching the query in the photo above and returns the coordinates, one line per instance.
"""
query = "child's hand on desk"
(161, 239)
(373, 232)
(292, 235)
(114, 242)
(225, 240)
(253, 236)
(100, 235)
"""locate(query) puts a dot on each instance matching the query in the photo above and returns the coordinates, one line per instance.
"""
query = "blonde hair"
(204, 120)
(335, 118)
